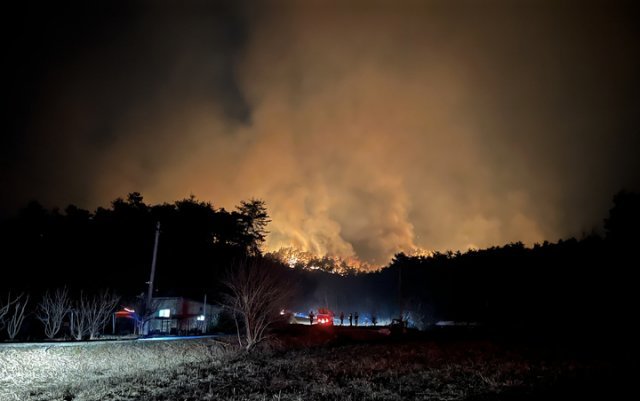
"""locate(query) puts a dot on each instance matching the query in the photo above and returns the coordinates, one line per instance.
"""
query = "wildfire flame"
(299, 259)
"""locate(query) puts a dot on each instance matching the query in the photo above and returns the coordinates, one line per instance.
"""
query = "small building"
(179, 315)
(124, 322)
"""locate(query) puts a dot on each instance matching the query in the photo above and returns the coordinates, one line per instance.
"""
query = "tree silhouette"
(623, 224)
(253, 219)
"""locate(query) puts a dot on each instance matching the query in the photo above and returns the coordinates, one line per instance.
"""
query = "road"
(50, 344)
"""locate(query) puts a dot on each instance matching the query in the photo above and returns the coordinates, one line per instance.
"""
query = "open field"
(311, 365)
(58, 372)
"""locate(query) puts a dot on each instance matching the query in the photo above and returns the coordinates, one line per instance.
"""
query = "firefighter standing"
(311, 315)
(356, 317)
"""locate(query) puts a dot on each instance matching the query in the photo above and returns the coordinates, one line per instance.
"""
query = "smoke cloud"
(369, 128)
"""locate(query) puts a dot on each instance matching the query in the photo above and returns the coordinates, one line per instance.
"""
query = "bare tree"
(258, 291)
(97, 311)
(144, 312)
(16, 315)
(91, 314)
(52, 311)
(4, 310)
(78, 321)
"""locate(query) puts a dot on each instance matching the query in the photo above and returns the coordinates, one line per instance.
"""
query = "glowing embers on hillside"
(298, 259)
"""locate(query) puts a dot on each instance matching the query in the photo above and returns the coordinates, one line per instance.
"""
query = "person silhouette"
(341, 318)
(350, 319)
(311, 315)
(356, 318)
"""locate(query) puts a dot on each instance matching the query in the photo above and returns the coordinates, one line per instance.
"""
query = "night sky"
(368, 127)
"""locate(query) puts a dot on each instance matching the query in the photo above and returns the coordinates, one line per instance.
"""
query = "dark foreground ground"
(310, 363)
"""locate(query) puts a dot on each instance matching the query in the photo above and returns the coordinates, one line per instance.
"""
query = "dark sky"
(368, 127)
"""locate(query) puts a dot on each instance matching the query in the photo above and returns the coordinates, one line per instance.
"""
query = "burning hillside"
(298, 259)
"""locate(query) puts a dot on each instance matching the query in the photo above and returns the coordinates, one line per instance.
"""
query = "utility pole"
(204, 313)
(153, 266)
(400, 303)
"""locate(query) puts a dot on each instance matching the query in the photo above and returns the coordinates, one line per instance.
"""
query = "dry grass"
(202, 370)
(26, 372)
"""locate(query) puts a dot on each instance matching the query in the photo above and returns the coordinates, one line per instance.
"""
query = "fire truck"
(325, 317)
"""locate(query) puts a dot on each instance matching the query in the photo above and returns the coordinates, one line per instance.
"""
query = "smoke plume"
(369, 128)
